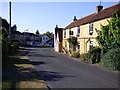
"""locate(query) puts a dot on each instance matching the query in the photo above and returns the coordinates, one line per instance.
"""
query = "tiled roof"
(105, 13)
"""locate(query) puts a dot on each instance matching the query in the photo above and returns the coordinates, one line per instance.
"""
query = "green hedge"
(93, 55)
(111, 59)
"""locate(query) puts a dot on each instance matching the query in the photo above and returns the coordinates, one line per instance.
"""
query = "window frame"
(78, 46)
(64, 33)
(91, 43)
(91, 29)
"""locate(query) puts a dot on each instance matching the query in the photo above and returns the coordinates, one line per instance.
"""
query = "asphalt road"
(61, 71)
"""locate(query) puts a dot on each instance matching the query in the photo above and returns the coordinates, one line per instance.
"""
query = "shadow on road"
(16, 70)
(51, 76)
(41, 55)
(37, 62)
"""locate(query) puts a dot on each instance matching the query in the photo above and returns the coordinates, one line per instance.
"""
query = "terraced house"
(84, 28)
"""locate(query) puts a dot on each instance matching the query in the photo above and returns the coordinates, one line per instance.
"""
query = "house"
(46, 40)
(28, 39)
(58, 39)
(84, 28)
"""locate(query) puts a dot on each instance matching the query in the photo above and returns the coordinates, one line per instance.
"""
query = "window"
(78, 30)
(71, 32)
(91, 28)
(64, 33)
(91, 43)
(65, 45)
(78, 45)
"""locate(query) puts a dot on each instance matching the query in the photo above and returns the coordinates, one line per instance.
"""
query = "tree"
(109, 35)
(14, 27)
(73, 42)
(5, 24)
(37, 32)
(5, 42)
(48, 33)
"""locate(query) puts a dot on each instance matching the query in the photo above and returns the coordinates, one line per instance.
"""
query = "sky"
(44, 16)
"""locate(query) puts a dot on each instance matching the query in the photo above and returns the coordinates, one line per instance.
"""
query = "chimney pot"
(74, 18)
(99, 8)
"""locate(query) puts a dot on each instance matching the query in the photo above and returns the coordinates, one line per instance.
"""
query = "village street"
(61, 71)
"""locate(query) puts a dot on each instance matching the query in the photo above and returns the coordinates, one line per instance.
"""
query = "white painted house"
(46, 40)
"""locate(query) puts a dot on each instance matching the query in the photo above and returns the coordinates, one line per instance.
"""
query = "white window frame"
(64, 33)
(91, 28)
(91, 43)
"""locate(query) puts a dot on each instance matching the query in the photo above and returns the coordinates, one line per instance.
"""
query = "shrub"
(111, 59)
(43, 45)
(4, 48)
(93, 55)
(75, 54)
(14, 47)
(82, 56)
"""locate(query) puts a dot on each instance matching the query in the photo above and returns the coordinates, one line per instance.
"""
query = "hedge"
(111, 59)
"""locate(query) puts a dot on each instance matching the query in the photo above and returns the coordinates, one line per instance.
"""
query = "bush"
(43, 45)
(4, 48)
(14, 47)
(111, 59)
(75, 54)
(82, 56)
(93, 55)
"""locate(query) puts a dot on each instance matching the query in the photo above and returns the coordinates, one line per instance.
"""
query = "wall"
(84, 37)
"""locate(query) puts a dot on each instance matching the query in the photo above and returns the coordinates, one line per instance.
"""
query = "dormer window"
(91, 28)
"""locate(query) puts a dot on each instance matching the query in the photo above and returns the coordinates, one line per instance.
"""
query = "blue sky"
(44, 16)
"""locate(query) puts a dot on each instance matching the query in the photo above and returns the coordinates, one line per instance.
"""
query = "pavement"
(61, 71)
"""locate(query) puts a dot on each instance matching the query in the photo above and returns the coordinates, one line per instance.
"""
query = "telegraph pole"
(10, 20)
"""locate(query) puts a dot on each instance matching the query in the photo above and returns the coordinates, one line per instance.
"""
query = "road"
(61, 71)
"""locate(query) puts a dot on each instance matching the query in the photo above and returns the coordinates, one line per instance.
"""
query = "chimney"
(74, 18)
(99, 8)
(56, 26)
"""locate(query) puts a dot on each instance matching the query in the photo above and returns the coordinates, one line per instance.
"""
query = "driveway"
(61, 71)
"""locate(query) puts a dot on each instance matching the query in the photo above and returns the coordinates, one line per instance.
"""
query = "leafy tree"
(109, 35)
(73, 42)
(5, 24)
(14, 27)
(48, 33)
(5, 42)
(37, 32)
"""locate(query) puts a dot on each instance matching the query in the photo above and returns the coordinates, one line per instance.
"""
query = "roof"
(105, 13)
(31, 34)
(16, 32)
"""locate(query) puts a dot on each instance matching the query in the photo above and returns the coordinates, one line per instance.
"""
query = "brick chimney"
(74, 19)
(99, 8)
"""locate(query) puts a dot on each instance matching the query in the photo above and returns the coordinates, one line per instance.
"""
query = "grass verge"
(18, 73)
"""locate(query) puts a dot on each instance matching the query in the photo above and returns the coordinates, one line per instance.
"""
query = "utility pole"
(9, 20)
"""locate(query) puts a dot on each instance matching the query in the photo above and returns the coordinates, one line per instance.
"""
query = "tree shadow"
(37, 62)
(41, 55)
(51, 76)
(14, 72)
